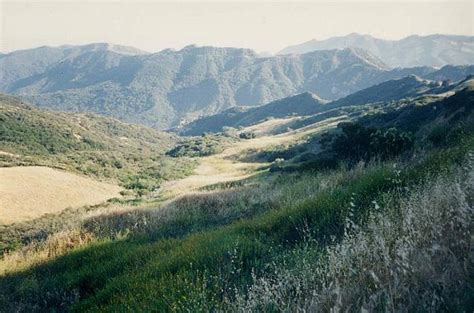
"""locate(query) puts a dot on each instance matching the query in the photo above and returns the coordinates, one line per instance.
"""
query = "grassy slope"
(104, 148)
(30, 192)
(87, 143)
(195, 260)
(141, 273)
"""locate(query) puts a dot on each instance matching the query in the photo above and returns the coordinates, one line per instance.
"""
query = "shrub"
(247, 135)
(199, 146)
(357, 142)
(445, 135)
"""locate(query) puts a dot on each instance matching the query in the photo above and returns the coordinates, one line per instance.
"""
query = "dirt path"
(225, 167)
(28, 192)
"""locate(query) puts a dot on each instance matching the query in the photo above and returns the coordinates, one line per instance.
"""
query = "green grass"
(154, 272)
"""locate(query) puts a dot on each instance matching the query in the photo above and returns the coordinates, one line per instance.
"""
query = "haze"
(263, 26)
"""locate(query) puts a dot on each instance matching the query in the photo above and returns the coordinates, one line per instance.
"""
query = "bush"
(200, 146)
(357, 142)
(445, 135)
(247, 135)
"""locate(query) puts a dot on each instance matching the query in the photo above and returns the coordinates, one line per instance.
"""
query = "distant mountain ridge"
(410, 86)
(432, 50)
(171, 87)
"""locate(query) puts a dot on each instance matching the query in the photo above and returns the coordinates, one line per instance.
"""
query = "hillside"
(428, 120)
(433, 50)
(434, 117)
(43, 131)
(29, 192)
(100, 147)
(306, 104)
(410, 86)
(302, 104)
(167, 88)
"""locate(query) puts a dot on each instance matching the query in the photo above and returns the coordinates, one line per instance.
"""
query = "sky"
(264, 26)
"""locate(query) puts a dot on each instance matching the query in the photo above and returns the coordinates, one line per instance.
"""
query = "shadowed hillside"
(302, 104)
(306, 104)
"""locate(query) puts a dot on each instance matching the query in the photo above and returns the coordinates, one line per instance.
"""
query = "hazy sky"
(263, 25)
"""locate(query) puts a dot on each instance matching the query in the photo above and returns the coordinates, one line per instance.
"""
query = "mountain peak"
(212, 49)
(366, 57)
(308, 95)
(104, 46)
(433, 50)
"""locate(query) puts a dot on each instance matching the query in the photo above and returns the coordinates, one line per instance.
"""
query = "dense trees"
(357, 142)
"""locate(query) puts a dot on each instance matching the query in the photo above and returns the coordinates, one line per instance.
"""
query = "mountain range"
(172, 88)
(433, 50)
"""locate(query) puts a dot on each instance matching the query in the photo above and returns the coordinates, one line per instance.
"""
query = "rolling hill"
(100, 147)
(28, 130)
(433, 50)
(301, 104)
(410, 86)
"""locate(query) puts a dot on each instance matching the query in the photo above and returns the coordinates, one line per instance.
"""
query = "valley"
(219, 180)
(228, 166)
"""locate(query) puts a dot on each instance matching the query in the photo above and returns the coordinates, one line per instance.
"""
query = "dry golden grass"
(37, 253)
(268, 127)
(12, 155)
(31, 191)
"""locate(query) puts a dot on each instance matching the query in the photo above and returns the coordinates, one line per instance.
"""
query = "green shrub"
(357, 142)
(199, 146)
(247, 135)
(445, 135)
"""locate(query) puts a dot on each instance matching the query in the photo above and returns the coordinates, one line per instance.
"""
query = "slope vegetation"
(302, 104)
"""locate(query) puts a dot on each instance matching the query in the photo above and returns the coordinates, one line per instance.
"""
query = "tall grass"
(191, 213)
(204, 251)
(413, 256)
